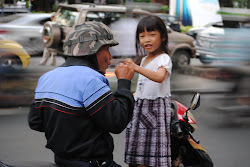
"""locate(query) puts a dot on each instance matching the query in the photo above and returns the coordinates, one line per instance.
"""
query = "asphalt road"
(225, 137)
(227, 144)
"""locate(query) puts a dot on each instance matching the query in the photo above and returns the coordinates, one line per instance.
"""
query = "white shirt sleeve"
(166, 62)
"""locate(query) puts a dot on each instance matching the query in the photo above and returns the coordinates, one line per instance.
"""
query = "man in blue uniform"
(74, 105)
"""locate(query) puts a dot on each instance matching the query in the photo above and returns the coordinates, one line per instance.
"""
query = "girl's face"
(151, 41)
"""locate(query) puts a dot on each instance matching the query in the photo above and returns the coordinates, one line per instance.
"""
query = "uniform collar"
(78, 61)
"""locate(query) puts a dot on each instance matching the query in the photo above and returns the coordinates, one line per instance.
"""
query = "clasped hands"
(125, 70)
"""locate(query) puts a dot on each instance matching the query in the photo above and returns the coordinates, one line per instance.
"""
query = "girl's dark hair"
(151, 23)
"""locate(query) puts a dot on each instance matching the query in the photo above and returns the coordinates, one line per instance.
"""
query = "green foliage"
(54, 7)
(27, 4)
(142, 0)
(185, 28)
(38, 12)
(111, 1)
(235, 14)
(165, 9)
(240, 3)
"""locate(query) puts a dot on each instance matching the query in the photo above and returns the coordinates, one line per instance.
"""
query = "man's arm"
(34, 119)
(112, 112)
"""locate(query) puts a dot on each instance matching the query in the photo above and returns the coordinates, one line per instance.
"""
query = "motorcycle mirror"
(195, 102)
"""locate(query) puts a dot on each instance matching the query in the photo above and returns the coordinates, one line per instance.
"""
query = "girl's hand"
(157, 76)
(129, 62)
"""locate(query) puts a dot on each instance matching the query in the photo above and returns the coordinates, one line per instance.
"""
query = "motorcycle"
(185, 150)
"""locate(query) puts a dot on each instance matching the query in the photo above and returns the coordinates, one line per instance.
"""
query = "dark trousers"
(76, 163)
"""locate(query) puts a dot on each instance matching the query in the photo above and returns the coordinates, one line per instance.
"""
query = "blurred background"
(209, 43)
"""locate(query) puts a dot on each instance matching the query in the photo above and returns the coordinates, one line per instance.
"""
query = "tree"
(242, 3)
(235, 3)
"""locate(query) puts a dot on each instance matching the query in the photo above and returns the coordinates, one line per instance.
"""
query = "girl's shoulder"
(163, 57)
(165, 61)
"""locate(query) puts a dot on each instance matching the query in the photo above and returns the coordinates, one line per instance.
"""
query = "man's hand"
(122, 71)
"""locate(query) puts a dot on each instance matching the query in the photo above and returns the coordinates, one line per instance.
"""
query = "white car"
(195, 30)
(26, 29)
(228, 46)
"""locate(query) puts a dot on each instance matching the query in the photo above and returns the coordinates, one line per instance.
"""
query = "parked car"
(55, 31)
(181, 48)
(171, 21)
(6, 19)
(26, 29)
(195, 30)
(13, 10)
(117, 18)
(13, 55)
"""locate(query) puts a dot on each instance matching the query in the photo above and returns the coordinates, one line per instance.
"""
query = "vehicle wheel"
(180, 58)
(205, 61)
(51, 34)
(11, 62)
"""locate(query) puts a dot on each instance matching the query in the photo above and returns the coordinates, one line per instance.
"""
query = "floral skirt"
(148, 133)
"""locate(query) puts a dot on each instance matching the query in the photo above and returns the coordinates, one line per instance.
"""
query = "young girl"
(148, 133)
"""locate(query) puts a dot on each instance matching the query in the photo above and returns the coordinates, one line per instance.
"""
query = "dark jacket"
(76, 109)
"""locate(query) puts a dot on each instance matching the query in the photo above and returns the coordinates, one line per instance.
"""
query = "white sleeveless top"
(148, 89)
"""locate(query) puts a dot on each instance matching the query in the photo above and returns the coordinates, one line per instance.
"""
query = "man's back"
(60, 97)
